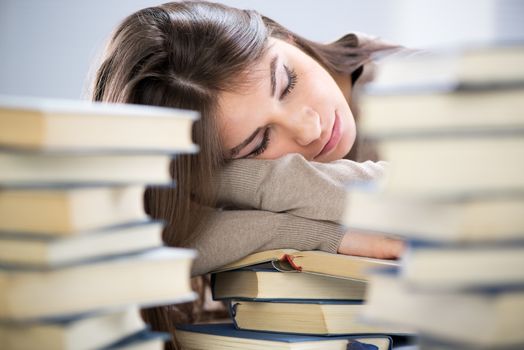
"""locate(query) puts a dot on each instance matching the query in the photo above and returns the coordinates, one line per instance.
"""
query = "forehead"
(238, 108)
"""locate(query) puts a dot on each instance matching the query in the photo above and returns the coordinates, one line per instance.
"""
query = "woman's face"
(291, 105)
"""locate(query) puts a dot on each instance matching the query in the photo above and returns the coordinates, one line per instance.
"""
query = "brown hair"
(183, 55)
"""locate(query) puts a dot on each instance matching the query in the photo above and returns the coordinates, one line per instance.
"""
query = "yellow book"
(440, 111)
(53, 251)
(155, 277)
(264, 283)
(72, 168)
(311, 317)
(454, 164)
(479, 217)
(53, 124)
(68, 210)
(489, 318)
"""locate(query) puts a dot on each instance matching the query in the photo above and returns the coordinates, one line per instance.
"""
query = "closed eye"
(291, 82)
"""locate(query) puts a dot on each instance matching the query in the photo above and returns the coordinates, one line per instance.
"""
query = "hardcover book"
(53, 124)
(463, 267)
(443, 111)
(450, 164)
(69, 210)
(84, 332)
(158, 276)
(54, 251)
(144, 340)
(264, 283)
(306, 317)
(314, 261)
(21, 169)
(452, 68)
(226, 336)
(477, 217)
(485, 317)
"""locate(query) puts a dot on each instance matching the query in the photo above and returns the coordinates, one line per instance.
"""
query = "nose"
(305, 125)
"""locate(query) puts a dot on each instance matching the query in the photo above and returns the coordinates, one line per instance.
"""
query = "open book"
(313, 261)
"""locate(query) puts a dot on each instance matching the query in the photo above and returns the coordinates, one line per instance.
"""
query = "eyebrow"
(272, 70)
(272, 75)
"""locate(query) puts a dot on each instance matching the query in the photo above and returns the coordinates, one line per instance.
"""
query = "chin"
(345, 148)
(345, 144)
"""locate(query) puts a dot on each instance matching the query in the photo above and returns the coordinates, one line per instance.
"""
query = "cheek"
(349, 133)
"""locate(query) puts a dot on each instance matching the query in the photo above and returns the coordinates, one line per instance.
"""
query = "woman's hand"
(370, 245)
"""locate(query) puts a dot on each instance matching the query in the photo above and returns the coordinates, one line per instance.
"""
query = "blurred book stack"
(78, 254)
(451, 124)
(288, 299)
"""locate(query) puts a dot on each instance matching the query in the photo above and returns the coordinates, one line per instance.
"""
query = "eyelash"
(292, 81)
(263, 145)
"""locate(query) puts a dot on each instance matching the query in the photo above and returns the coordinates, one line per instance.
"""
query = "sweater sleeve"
(293, 185)
(228, 235)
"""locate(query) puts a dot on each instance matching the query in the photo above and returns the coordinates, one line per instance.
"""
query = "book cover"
(218, 336)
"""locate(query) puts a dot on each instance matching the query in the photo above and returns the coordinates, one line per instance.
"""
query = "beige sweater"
(284, 203)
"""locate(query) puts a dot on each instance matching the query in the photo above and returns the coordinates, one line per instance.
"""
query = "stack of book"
(452, 127)
(288, 299)
(78, 254)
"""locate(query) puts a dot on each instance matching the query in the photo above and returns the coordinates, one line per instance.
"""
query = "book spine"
(232, 308)
(213, 281)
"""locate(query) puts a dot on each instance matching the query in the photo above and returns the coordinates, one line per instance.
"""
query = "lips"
(334, 138)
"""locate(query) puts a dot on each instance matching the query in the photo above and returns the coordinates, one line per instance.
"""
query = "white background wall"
(48, 46)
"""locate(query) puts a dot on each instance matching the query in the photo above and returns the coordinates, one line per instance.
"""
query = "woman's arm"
(293, 185)
(228, 235)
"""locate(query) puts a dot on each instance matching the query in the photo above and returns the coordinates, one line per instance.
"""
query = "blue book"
(143, 340)
(208, 336)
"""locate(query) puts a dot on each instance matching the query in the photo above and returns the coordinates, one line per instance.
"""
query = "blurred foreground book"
(454, 191)
(63, 125)
(76, 246)
(87, 331)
